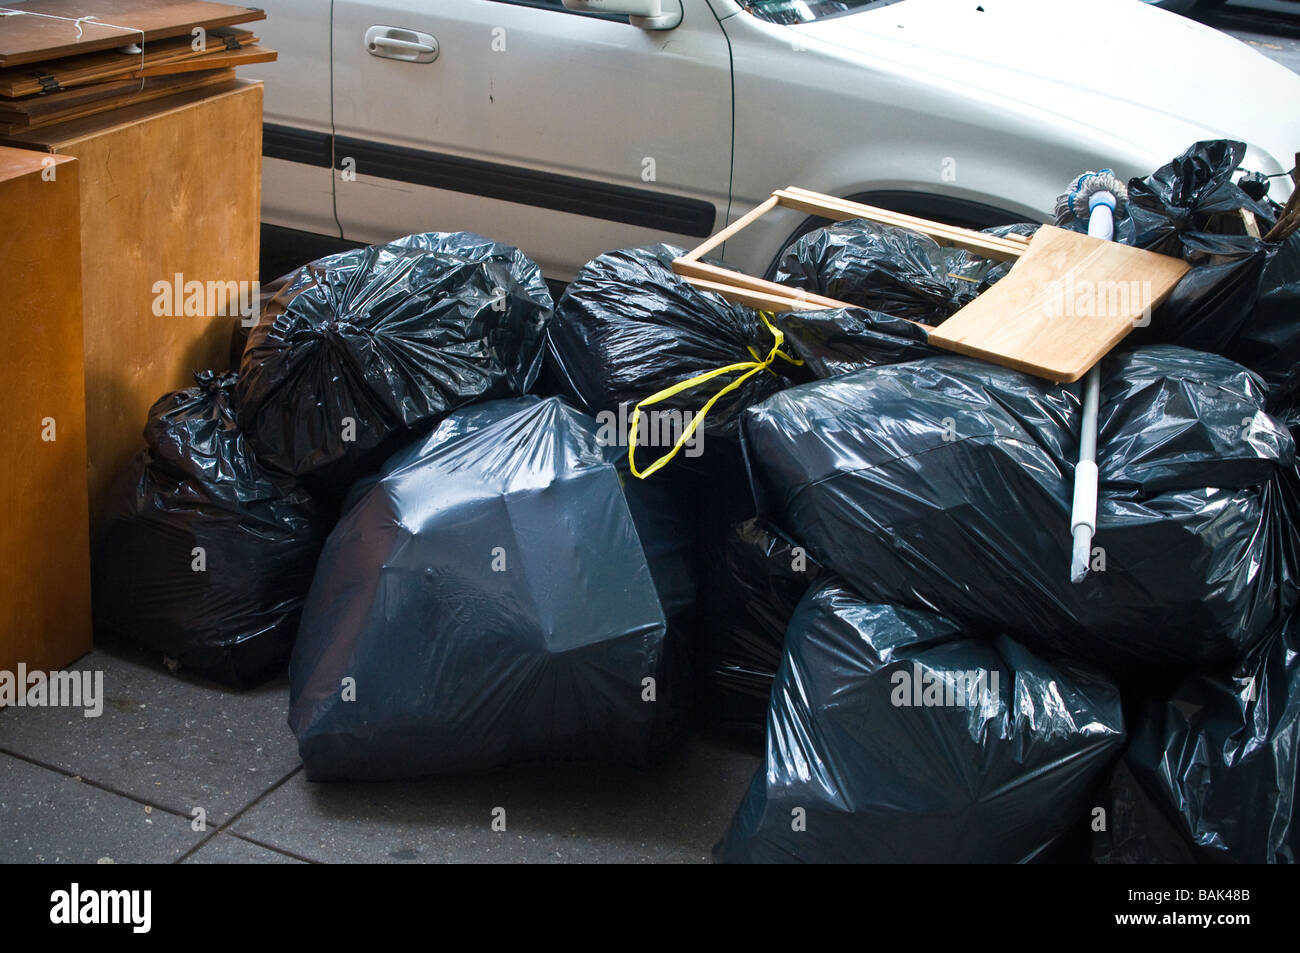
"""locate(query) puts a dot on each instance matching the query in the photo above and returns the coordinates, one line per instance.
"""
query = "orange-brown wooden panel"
(168, 188)
(31, 39)
(44, 545)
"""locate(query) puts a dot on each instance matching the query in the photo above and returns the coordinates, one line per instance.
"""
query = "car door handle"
(394, 43)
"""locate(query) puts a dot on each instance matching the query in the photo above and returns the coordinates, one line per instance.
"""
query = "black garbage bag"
(879, 267)
(833, 342)
(362, 350)
(487, 603)
(204, 556)
(1269, 341)
(664, 527)
(1172, 211)
(751, 580)
(628, 327)
(1211, 773)
(984, 272)
(894, 737)
(890, 270)
(946, 484)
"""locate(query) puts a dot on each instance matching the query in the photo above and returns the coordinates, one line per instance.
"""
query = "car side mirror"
(647, 14)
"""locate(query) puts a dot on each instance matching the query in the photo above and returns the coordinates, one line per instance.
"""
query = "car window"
(805, 11)
(559, 6)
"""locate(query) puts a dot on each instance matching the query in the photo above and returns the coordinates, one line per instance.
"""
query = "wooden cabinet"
(44, 542)
(169, 188)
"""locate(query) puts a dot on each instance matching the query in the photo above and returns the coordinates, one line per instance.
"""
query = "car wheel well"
(951, 211)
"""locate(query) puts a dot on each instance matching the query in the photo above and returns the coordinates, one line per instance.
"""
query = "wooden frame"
(768, 295)
(1018, 323)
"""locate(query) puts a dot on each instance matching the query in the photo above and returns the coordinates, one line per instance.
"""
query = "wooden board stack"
(64, 60)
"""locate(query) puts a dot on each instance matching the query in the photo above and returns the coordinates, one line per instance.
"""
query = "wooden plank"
(29, 38)
(736, 279)
(50, 138)
(758, 300)
(227, 59)
(1249, 222)
(1066, 302)
(161, 195)
(70, 100)
(127, 93)
(107, 65)
(951, 236)
(753, 215)
(44, 539)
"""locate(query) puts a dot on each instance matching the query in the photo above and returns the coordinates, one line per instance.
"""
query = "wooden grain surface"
(158, 58)
(44, 545)
(43, 111)
(31, 39)
(1065, 303)
(161, 194)
(994, 247)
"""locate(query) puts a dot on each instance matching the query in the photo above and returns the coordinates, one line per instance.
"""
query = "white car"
(569, 132)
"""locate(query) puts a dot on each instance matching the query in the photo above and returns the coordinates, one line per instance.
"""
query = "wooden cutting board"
(31, 39)
(1065, 303)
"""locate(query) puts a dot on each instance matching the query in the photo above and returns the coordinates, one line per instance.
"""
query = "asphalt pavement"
(1270, 26)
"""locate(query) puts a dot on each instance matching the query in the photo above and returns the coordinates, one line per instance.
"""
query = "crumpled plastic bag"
(946, 484)
(751, 580)
(204, 556)
(878, 267)
(363, 350)
(628, 327)
(847, 261)
(894, 737)
(487, 602)
(1211, 773)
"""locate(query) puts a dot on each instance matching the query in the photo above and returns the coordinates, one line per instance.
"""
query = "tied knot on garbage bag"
(204, 555)
(744, 369)
(630, 333)
(364, 350)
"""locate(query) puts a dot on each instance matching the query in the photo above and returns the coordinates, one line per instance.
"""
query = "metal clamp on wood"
(48, 83)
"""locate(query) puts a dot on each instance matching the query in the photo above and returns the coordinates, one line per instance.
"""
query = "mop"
(1093, 198)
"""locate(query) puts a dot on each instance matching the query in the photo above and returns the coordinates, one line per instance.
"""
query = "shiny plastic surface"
(492, 603)
(363, 350)
(894, 737)
(204, 556)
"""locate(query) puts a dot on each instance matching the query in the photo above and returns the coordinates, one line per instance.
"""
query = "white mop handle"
(1101, 216)
(1083, 513)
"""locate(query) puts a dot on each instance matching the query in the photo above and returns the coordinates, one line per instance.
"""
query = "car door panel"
(297, 184)
(564, 134)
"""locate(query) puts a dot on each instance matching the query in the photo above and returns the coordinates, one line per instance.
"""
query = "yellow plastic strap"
(749, 367)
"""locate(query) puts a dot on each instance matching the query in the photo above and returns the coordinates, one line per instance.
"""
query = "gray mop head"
(1073, 204)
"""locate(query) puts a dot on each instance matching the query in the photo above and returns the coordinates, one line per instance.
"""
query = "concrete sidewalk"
(129, 786)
